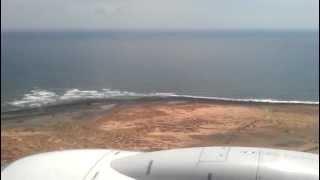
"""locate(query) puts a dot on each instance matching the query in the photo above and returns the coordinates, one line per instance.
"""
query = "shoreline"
(148, 124)
(159, 98)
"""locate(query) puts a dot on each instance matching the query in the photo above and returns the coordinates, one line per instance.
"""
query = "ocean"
(45, 68)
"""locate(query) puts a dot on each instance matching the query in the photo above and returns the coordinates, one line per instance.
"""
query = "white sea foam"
(274, 101)
(78, 94)
(35, 98)
(38, 98)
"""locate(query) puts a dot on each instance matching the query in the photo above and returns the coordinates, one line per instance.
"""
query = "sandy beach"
(154, 124)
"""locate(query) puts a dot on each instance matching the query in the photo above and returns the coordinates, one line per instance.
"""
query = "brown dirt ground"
(162, 125)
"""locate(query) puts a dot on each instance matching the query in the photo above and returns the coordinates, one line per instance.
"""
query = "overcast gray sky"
(158, 14)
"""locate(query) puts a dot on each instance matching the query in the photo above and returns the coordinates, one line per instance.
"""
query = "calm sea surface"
(43, 68)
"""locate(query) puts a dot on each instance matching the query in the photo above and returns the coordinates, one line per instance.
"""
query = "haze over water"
(44, 68)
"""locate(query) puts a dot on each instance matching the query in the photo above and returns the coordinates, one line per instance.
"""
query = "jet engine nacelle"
(204, 163)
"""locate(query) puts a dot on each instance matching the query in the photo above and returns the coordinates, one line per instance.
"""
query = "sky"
(34, 15)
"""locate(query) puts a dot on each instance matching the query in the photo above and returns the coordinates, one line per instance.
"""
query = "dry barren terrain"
(155, 125)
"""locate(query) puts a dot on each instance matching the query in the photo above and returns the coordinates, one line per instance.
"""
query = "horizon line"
(155, 30)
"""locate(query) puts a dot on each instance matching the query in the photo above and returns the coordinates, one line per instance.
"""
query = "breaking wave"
(38, 98)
